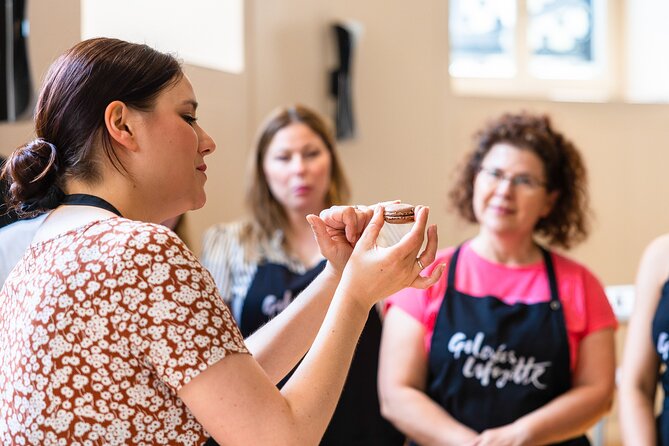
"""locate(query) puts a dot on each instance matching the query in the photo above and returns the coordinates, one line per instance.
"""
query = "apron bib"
(274, 286)
(490, 363)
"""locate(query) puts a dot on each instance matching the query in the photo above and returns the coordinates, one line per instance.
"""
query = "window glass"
(561, 39)
(481, 34)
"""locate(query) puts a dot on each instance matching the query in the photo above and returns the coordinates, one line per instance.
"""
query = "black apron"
(357, 419)
(491, 363)
(661, 342)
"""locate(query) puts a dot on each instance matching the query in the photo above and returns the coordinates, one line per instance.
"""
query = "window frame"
(603, 87)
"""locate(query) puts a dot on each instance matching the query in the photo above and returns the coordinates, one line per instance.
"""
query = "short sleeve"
(173, 317)
(599, 314)
(411, 301)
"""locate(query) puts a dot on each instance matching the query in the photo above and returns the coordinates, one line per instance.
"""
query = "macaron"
(398, 213)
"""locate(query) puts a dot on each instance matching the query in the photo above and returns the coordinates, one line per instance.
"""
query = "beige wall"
(412, 130)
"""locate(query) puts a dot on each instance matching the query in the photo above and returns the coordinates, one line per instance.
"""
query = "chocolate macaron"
(398, 213)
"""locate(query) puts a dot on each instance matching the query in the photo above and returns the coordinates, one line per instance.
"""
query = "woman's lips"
(301, 190)
(501, 210)
(202, 167)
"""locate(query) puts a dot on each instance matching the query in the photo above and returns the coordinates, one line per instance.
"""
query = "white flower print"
(97, 337)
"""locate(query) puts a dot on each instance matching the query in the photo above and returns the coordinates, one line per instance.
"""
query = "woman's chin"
(199, 202)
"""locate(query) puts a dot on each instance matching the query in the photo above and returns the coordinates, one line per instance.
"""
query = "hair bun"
(33, 173)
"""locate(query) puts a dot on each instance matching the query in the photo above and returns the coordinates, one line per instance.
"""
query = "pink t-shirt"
(586, 308)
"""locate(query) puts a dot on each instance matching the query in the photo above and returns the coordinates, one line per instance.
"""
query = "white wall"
(412, 129)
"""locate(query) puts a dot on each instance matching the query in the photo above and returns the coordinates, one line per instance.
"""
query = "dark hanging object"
(15, 85)
(340, 82)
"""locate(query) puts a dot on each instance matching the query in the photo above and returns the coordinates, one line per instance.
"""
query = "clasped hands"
(346, 236)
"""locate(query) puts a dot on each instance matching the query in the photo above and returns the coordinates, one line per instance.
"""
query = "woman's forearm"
(282, 342)
(590, 397)
(567, 416)
(237, 404)
(637, 417)
(313, 390)
(422, 419)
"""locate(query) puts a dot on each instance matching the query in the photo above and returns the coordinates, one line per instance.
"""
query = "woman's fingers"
(371, 232)
(411, 243)
(426, 282)
(320, 231)
(429, 253)
(350, 220)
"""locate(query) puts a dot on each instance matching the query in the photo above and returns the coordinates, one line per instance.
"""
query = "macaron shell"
(399, 213)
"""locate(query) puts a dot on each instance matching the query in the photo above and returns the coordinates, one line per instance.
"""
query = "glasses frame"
(521, 181)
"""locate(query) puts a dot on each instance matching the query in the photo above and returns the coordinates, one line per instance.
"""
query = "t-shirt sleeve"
(175, 321)
(410, 300)
(599, 314)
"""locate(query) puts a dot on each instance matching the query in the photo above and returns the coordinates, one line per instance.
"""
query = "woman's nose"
(504, 185)
(298, 164)
(207, 145)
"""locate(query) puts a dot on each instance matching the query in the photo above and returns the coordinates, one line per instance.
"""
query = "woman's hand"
(509, 435)
(337, 230)
(373, 273)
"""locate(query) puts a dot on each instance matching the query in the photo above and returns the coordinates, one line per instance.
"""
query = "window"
(554, 49)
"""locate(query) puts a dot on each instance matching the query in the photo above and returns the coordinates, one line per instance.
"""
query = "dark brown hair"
(567, 223)
(267, 212)
(69, 118)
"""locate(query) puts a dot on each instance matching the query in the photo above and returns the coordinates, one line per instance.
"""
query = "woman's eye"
(190, 119)
(523, 180)
(312, 154)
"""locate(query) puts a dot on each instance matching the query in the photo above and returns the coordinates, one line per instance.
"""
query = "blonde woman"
(262, 263)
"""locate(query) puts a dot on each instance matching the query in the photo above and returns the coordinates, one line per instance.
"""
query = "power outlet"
(621, 298)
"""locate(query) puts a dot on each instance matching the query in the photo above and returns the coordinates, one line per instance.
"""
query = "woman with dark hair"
(6, 217)
(515, 345)
(111, 331)
(262, 263)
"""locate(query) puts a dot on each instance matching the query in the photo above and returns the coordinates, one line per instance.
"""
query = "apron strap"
(90, 200)
(552, 279)
(451, 268)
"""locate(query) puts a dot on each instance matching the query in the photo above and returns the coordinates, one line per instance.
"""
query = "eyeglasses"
(521, 181)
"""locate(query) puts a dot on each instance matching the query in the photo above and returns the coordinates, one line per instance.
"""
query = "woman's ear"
(117, 116)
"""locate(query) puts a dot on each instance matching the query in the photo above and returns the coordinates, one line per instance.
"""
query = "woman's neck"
(509, 250)
(300, 240)
(122, 194)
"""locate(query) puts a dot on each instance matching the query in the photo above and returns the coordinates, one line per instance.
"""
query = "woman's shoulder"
(658, 249)
(578, 281)
(138, 233)
(566, 265)
(235, 243)
(654, 265)
(237, 230)
(125, 225)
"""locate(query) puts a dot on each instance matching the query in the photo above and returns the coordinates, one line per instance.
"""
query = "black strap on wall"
(340, 83)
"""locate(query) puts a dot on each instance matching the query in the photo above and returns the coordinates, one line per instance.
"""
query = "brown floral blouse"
(99, 328)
